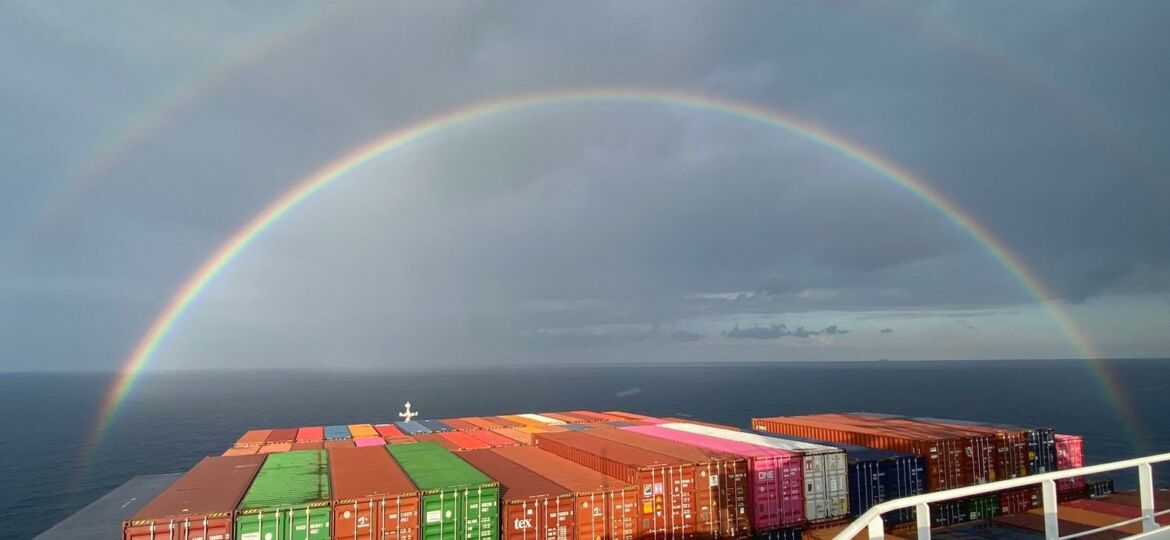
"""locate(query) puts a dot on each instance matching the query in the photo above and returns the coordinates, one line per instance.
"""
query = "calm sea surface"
(173, 419)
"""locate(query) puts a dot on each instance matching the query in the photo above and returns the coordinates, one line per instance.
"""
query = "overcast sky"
(137, 136)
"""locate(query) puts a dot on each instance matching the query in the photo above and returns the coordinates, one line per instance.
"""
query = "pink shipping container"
(369, 441)
(775, 479)
(1070, 454)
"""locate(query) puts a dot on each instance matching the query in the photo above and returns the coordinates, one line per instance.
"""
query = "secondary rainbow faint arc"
(399, 138)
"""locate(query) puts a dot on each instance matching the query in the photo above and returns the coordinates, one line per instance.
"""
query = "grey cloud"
(777, 331)
(685, 336)
(886, 331)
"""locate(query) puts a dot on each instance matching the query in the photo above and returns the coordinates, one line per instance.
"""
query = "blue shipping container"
(877, 476)
(334, 433)
(436, 426)
(412, 427)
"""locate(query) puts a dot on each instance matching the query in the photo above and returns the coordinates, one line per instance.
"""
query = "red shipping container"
(389, 431)
(775, 479)
(531, 506)
(310, 434)
(281, 436)
(492, 439)
(1010, 455)
(598, 417)
(949, 459)
(464, 441)
(460, 425)
(605, 507)
(436, 438)
(483, 423)
(988, 454)
(666, 483)
(720, 484)
(202, 503)
(516, 435)
(373, 499)
(254, 437)
(1070, 454)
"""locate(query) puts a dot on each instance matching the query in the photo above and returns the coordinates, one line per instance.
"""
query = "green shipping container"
(982, 507)
(458, 501)
(289, 500)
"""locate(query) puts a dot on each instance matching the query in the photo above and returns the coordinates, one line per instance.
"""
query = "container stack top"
(362, 473)
(433, 467)
(517, 483)
(290, 479)
(213, 487)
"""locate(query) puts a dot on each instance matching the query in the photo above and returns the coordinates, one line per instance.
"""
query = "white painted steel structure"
(872, 519)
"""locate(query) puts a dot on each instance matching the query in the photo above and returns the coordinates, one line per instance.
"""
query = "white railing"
(1150, 528)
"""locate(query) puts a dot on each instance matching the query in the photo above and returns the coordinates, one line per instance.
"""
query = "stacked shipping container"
(372, 497)
(201, 504)
(458, 501)
(288, 499)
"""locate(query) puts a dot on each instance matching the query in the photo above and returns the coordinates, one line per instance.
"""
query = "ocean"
(171, 420)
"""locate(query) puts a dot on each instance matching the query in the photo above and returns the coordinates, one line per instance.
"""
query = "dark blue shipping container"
(877, 475)
(334, 433)
(412, 427)
(436, 426)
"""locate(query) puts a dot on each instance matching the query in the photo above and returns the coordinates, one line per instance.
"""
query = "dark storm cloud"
(886, 331)
(577, 227)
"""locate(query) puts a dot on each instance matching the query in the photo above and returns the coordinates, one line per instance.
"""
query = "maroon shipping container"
(531, 506)
(665, 483)
(200, 504)
(315, 445)
(950, 460)
(721, 481)
(460, 425)
(372, 497)
(1070, 454)
(989, 460)
(281, 436)
(605, 507)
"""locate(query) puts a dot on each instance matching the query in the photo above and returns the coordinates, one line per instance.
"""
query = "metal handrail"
(872, 519)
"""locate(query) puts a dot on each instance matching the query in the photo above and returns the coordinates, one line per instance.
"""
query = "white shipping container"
(826, 469)
(543, 418)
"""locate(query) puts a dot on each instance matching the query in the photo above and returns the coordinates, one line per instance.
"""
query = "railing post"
(922, 511)
(1146, 489)
(1051, 521)
(877, 529)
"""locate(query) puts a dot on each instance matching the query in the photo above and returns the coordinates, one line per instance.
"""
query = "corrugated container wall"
(665, 483)
(825, 469)
(720, 481)
(202, 503)
(372, 497)
(1070, 454)
(774, 476)
(948, 459)
(458, 501)
(288, 499)
(605, 507)
(531, 506)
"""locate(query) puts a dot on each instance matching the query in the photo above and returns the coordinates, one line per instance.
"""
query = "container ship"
(614, 475)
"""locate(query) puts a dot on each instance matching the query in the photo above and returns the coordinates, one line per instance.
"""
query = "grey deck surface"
(102, 519)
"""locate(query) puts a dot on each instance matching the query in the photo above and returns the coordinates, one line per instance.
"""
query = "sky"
(137, 137)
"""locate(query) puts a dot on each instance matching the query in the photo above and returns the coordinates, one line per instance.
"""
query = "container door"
(309, 524)
(707, 484)
(815, 489)
(765, 493)
(622, 515)
(654, 518)
(217, 529)
(589, 516)
(356, 521)
(837, 473)
(478, 514)
(562, 519)
(260, 525)
(399, 519)
(438, 517)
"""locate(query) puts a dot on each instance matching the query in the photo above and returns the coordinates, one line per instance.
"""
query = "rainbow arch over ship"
(423, 130)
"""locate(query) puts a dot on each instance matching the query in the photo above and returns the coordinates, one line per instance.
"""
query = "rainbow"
(424, 130)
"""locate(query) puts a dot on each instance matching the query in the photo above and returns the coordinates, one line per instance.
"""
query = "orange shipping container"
(362, 431)
(254, 437)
